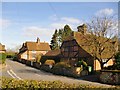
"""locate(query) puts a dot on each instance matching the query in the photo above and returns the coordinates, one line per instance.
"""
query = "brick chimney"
(38, 40)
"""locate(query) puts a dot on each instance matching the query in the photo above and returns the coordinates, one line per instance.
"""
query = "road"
(21, 71)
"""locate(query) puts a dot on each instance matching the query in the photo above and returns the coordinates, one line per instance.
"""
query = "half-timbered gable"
(80, 45)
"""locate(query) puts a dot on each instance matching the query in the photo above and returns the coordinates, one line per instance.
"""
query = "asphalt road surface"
(21, 71)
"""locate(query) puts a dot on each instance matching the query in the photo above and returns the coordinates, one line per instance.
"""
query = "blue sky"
(25, 21)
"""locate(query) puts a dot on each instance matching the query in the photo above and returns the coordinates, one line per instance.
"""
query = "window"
(33, 51)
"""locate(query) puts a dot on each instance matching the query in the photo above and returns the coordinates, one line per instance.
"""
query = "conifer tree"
(54, 41)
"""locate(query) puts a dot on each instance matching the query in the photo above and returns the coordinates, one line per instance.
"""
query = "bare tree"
(104, 41)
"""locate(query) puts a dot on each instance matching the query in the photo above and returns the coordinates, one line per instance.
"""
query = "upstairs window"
(33, 51)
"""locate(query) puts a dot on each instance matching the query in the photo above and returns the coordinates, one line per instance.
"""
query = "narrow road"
(21, 71)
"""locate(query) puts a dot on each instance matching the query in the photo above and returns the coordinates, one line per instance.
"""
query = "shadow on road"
(91, 78)
(30, 71)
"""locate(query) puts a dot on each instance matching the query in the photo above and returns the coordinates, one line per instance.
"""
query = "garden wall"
(110, 77)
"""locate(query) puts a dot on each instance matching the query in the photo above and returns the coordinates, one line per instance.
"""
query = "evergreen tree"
(67, 31)
(54, 41)
(59, 36)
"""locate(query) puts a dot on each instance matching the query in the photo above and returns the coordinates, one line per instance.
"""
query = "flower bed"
(110, 77)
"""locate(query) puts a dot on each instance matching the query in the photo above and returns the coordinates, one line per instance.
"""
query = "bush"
(2, 58)
(38, 57)
(46, 68)
(50, 62)
(62, 68)
(15, 58)
(117, 61)
(48, 65)
(44, 58)
(8, 83)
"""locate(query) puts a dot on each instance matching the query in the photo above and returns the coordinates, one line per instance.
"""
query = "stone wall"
(110, 77)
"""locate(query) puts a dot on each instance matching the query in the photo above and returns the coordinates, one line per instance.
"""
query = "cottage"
(2, 48)
(30, 50)
(77, 46)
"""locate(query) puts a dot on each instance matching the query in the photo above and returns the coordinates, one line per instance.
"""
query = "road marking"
(10, 74)
(15, 74)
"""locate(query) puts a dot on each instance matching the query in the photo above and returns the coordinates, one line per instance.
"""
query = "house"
(77, 46)
(30, 50)
(2, 48)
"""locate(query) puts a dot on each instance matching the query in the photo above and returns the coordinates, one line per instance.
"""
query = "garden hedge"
(8, 83)
(2, 58)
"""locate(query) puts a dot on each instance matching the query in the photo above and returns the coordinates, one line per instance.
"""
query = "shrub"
(82, 62)
(38, 57)
(46, 68)
(62, 65)
(117, 61)
(48, 65)
(44, 58)
(15, 58)
(62, 68)
(2, 58)
(8, 83)
(50, 62)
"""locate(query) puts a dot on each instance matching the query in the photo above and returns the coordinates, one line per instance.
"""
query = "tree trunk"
(102, 65)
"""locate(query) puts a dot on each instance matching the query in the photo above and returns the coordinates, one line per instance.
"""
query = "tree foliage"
(54, 41)
(59, 36)
(102, 30)
(117, 60)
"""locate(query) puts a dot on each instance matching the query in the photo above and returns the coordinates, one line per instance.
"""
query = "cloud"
(58, 25)
(61, 22)
(35, 31)
(4, 23)
(106, 11)
(46, 32)
(70, 20)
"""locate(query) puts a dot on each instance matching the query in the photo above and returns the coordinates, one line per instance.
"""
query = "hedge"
(62, 68)
(2, 58)
(8, 83)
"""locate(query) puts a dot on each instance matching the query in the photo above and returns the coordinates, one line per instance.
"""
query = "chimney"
(38, 40)
(82, 29)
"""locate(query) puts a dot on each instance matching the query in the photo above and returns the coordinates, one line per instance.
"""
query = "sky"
(25, 21)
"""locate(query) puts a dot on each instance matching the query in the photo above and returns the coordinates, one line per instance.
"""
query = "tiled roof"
(42, 46)
(53, 53)
(86, 42)
(35, 46)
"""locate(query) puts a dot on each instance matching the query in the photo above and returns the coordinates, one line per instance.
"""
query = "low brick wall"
(110, 77)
